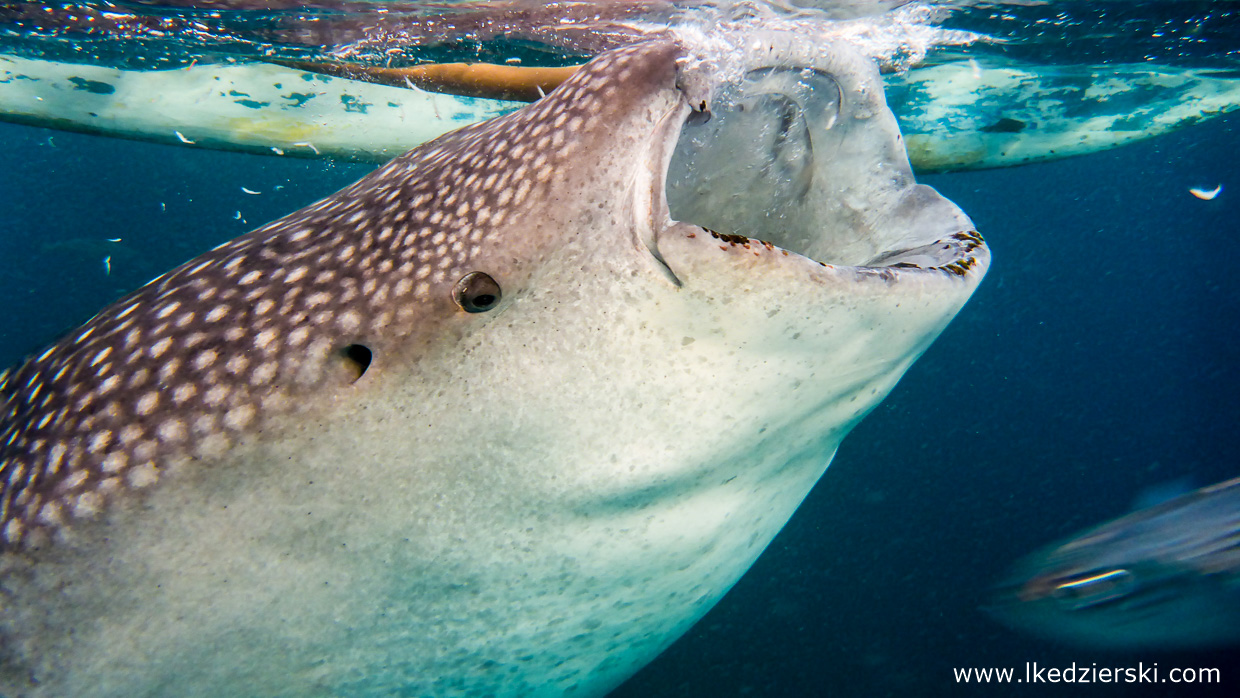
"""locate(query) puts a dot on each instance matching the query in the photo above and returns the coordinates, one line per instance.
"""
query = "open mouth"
(808, 158)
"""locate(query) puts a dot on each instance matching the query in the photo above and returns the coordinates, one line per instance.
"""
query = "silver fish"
(1166, 577)
(488, 421)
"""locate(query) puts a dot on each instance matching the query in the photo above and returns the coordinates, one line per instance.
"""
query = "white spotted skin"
(529, 501)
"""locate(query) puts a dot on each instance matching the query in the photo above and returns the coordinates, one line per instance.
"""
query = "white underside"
(543, 513)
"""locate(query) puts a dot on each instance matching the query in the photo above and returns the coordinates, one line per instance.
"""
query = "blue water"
(65, 195)
(1098, 358)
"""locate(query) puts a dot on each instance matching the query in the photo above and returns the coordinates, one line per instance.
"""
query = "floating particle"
(1205, 194)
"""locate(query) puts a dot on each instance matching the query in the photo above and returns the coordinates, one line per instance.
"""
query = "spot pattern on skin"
(188, 363)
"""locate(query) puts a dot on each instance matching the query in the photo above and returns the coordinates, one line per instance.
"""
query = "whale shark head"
(504, 417)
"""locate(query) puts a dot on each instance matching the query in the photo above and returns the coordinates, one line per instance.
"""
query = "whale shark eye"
(476, 292)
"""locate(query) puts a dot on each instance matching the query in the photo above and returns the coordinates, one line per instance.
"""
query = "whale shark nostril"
(357, 358)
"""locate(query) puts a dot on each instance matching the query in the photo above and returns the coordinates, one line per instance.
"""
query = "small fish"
(237, 216)
(107, 265)
(250, 191)
(163, 206)
(113, 239)
(307, 144)
(277, 151)
(1205, 194)
(1165, 577)
(182, 137)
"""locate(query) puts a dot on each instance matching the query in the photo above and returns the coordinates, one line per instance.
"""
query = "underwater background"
(1098, 359)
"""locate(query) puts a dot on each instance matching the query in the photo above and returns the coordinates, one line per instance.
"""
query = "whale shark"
(1163, 577)
(504, 417)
